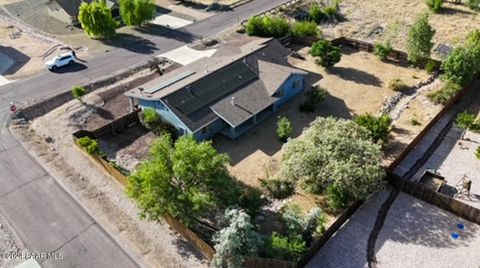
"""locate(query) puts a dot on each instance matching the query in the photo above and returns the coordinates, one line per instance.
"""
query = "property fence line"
(433, 197)
(117, 125)
(258, 262)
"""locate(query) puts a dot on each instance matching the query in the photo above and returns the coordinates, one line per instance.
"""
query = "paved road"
(44, 216)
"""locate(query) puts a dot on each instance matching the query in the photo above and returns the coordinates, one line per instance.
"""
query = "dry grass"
(452, 24)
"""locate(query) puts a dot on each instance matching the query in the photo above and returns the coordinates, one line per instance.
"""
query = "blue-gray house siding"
(166, 115)
(294, 85)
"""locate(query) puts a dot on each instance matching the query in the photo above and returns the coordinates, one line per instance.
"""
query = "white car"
(60, 61)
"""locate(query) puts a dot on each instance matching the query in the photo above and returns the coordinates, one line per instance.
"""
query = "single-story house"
(67, 10)
(227, 93)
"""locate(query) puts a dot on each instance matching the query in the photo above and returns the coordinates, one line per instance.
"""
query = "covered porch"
(234, 132)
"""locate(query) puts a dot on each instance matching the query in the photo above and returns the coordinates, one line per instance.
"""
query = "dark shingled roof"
(246, 102)
(71, 6)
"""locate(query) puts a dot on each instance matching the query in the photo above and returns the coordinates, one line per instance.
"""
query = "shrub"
(434, 5)
(467, 120)
(277, 188)
(419, 42)
(382, 51)
(332, 10)
(235, 241)
(477, 152)
(473, 4)
(307, 107)
(337, 197)
(415, 122)
(305, 29)
(397, 85)
(78, 92)
(379, 127)
(284, 128)
(250, 199)
(444, 94)
(302, 226)
(315, 95)
(90, 146)
(317, 14)
(314, 222)
(281, 247)
(431, 66)
(268, 26)
(153, 122)
(328, 54)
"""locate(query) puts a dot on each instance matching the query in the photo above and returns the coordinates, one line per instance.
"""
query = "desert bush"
(397, 85)
(434, 5)
(281, 247)
(153, 122)
(78, 92)
(250, 199)
(91, 146)
(315, 95)
(332, 10)
(444, 94)
(278, 188)
(462, 64)
(473, 4)
(317, 14)
(468, 120)
(328, 54)
(284, 128)
(305, 29)
(378, 126)
(415, 122)
(268, 26)
(382, 51)
(431, 66)
(477, 153)
(337, 198)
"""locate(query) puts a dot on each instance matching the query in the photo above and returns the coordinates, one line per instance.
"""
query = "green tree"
(185, 180)
(137, 12)
(96, 19)
(378, 126)
(434, 5)
(419, 43)
(328, 54)
(78, 92)
(336, 152)
(284, 128)
(237, 240)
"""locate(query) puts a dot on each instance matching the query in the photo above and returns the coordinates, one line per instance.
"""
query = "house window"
(296, 83)
(280, 93)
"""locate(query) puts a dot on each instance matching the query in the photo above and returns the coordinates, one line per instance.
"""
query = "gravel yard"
(8, 246)
(415, 234)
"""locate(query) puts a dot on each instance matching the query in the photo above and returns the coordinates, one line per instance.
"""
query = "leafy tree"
(237, 240)
(434, 5)
(137, 12)
(268, 26)
(378, 126)
(419, 43)
(328, 54)
(305, 29)
(336, 152)
(281, 247)
(96, 19)
(185, 180)
(255, 26)
(78, 92)
(462, 64)
(284, 128)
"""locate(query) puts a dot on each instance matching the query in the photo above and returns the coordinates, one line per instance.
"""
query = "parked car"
(60, 61)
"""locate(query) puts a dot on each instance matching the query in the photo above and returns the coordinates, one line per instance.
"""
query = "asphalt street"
(42, 214)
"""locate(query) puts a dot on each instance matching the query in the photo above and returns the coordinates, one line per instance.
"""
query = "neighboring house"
(67, 10)
(228, 93)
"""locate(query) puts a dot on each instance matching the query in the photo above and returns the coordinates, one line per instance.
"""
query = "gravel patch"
(8, 246)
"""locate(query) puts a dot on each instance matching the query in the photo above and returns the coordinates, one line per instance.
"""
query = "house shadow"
(357, 76)
(412, 221)
(19, 59)
(132, 43)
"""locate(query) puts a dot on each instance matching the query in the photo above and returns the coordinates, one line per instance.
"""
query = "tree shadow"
(19, 59)
(412, 221)
(357, 76)
(450, 11)
(76, 67)
(105, 114)
(180, 34)
(186, 249)
(132, 43)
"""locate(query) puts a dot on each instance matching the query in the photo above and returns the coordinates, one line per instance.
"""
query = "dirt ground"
(364, 19)
(154, 242)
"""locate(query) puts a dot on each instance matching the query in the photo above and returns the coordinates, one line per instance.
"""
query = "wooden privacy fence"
(117, 125)
(436, 198)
